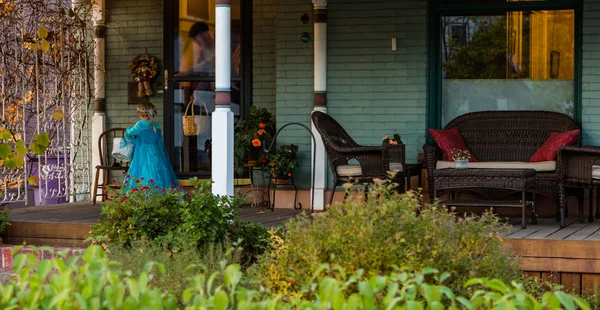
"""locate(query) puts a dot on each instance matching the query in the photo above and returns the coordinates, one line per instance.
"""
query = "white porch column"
(320, 99)
(222, 117)
(99, 118)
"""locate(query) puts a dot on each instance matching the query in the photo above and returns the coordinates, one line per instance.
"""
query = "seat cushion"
(449, 140)
(355, 171)
(549, 149)
(596, 172)
(543, 166)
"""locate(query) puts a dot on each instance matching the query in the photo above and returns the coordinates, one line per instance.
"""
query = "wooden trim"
(46, 241)
(320, 16)
(567, 249)
(46, 230)
(545, 264)
(571, 281)
(222, 98)
(320, 99)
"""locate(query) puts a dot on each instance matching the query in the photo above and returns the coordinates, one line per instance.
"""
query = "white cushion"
(539, 166)
(595, 172)
(355, 171)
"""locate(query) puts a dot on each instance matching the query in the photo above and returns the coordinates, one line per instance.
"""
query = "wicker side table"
(521, 180)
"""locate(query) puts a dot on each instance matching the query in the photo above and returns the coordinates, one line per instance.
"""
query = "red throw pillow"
(448, 140)
(549, 149)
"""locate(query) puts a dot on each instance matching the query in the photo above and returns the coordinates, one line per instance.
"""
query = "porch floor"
(549, 229)
(85, 212)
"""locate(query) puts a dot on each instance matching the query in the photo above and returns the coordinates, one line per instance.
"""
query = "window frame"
(437, 10)
(170, 19)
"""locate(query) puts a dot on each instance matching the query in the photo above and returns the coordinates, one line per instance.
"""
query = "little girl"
(150, 164)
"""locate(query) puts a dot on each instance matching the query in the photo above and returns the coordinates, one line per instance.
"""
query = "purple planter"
(49, 186)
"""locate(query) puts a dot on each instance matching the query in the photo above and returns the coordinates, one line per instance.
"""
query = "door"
(190, 74)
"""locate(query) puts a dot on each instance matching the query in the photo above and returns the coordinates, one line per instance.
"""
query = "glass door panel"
(522, 60)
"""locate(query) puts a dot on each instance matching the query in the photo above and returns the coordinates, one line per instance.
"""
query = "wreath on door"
(144, 69)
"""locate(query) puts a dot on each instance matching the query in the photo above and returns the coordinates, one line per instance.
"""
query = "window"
(505, 59)
(190, 61)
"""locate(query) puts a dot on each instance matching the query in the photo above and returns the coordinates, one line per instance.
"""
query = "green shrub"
(95, 282)
(387, 230)
(174, 221)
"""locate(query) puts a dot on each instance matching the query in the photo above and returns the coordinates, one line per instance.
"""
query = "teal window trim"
(436, 10)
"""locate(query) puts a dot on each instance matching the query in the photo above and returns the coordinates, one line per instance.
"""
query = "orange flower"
(272, 164)
(262, 126)
(256, 143)
(289, 174)
(261, 132)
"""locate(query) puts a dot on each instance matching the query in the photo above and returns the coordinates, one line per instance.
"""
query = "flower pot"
(461, 163)
(282, 181)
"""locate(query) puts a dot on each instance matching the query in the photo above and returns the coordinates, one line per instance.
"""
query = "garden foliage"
(388, 230)
(176, 221)
(95, 282)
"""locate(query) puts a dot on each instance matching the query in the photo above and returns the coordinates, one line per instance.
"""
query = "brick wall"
(372, 90)
(134, 27)
(591, 72)
(263, 54)
(294, 79)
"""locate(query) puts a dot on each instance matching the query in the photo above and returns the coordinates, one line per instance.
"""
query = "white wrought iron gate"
(45, 100)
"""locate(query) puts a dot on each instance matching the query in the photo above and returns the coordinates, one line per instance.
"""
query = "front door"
(190, 70)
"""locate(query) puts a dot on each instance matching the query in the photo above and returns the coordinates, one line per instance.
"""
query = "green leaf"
(5, 150)
(233, 275)
(44, 268)
(19, 161)
(221, 300)
(36, 148)
(5, 134)
(42, 139)
(20, 148)
(581, 303)
(10, 162)
(130, 303)
(566, 300)
(60, 298)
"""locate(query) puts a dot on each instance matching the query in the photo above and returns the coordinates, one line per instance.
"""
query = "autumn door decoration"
(144, 69)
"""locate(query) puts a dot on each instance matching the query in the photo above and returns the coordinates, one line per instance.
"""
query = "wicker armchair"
(374, 162)
(579, 170)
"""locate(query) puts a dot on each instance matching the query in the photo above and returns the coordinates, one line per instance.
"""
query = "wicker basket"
(189, 122)
(194, 125)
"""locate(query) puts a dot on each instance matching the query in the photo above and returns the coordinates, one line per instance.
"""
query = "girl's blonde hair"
(146, 109)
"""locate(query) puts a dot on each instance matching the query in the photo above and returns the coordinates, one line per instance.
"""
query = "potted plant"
(461, 158)
(250, 134)
(394, 140)
(283, 162)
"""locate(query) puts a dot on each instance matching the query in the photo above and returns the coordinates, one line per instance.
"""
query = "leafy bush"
(384, 231)
(95, 282)
(174, 221)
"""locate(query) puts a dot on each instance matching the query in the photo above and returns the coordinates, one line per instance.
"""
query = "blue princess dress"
(150, 164)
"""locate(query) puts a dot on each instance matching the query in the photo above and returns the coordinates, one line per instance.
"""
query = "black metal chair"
(374, 162)
(107, 163)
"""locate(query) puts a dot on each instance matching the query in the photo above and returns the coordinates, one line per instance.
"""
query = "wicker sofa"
(506, 139)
